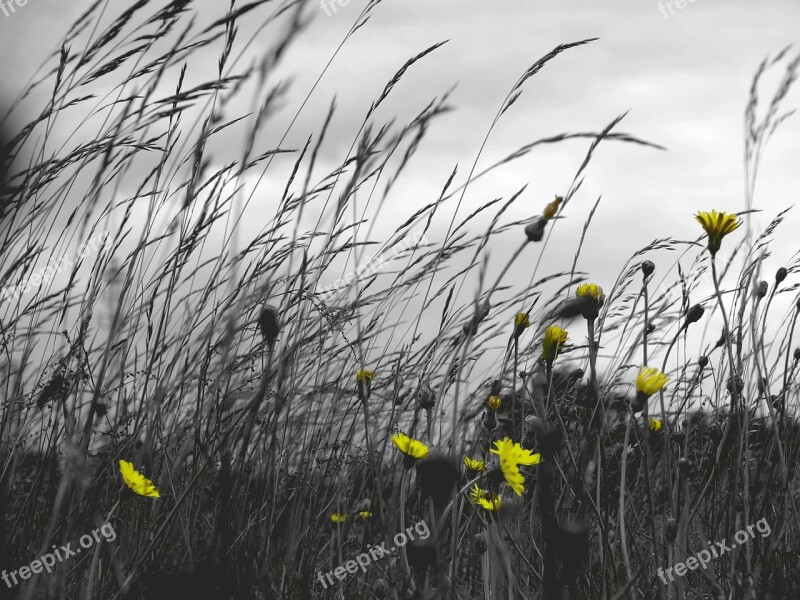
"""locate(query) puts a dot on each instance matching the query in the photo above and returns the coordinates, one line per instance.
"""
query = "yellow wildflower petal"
(473, 464)
(554, 339)
(649, 381)
(717, 225)
(590, 290)
(138, 483)
(410, 446)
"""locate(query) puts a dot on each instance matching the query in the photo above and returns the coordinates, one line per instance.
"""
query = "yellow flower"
(365, 514)
(551, 209)
(364, 376)
(511, 456)
(590, 290)
(494, 402)
(476, 493)
(486, 499)
(649, 381)
(474, 465)
(717, 225)
(137, 482)
(338, 518)
(554, 340)
(522, 320)
(655, 424)
(410, 446)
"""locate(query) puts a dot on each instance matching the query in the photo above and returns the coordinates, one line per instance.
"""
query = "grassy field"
(320, 411)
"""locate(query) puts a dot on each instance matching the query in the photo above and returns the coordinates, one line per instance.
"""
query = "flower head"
(137, 482)
(717, 225)
(494, 402)
(365, 514)
(554, 340)
(338, 518)
(410, 446)
(650, 381)
(552, 208)
(590, 298)
(474, 465)
(364, 376)
(590, 290)
(655, 424)
(484, 498)
(511, 456)
(521, 322)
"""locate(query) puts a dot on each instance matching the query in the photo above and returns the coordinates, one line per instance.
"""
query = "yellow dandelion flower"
(365, 514)
(552, 208)
(650, 381)
(410, 446)
(474, 465)
(338, 518)
(655, 424)
(476, 493)
(590, 290)
(511, 456)
(491, 502)
(137, 482)
(364, 376)
(494, 402)
(717, 225)
(522, 320)
(554, 340)
(526, 457)
(484, 498)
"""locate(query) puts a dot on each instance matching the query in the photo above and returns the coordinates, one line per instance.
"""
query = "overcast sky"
(682, 73)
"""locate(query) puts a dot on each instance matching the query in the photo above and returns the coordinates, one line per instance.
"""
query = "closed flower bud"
(497, 387)
(650, 328)
(796, 354)
(552, 208)
(648, 268)
(761, 289)
(735, 385)
(480, 542)
(535, 230)
(268, 323)
(426, 398)
(702, 361)
(671, 530)
(472, 326)
(694, 314)
(780, 274)
(100, 408)
(686, 466)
